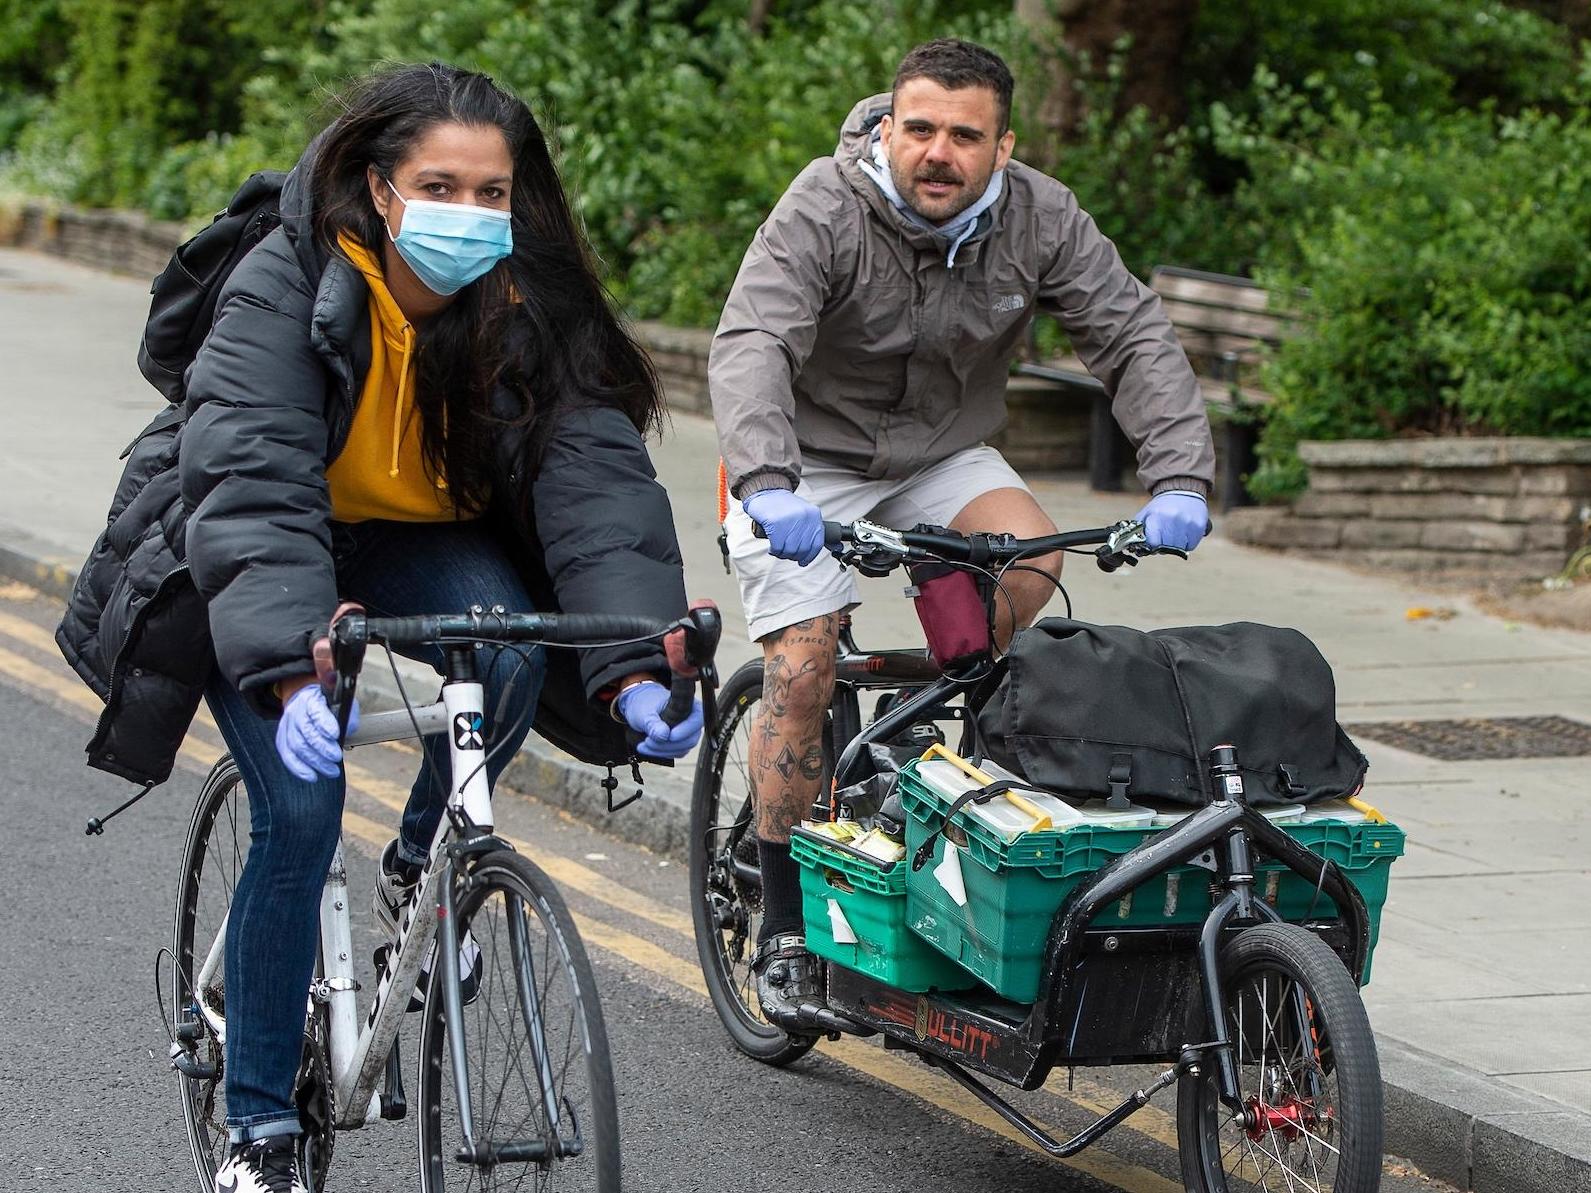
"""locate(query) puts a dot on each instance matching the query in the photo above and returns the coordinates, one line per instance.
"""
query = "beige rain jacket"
(846, 336)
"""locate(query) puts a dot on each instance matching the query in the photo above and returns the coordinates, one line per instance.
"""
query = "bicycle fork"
(487, 1152)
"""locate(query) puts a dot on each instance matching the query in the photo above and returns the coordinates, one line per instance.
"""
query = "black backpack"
(183, 305)
(1106, 710)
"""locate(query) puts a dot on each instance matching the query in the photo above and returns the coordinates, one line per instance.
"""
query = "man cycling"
(859, 364)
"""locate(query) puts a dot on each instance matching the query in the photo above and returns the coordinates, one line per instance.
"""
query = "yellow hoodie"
(381, 472)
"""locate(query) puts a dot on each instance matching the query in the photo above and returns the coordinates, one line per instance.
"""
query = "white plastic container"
(1011, 817)
(1333, 809)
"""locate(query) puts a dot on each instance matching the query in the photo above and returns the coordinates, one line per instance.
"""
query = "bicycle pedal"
(829, 1022)
(393, 1104)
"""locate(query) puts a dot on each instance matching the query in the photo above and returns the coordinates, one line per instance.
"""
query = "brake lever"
(338, 657)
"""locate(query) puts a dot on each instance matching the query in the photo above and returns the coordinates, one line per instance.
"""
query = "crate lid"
(1015, 813)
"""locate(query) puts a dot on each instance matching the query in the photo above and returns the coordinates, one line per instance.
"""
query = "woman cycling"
(414, 396)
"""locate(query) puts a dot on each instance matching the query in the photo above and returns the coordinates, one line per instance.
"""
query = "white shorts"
(776, 593)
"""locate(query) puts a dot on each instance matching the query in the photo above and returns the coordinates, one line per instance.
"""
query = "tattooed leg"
(787, 740)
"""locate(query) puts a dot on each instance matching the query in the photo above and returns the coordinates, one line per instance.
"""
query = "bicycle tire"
(1300, 1146)
(503, 886)
(721, 902)
(216, 846)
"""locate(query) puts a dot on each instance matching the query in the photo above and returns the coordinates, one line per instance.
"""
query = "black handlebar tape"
(681, 699)
(571, 628)
(576, 628)
(835, 533)
(758, 530)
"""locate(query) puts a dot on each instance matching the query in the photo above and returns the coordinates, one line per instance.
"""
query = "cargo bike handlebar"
(876, 549)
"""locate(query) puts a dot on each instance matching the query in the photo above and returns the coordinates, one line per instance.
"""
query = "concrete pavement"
(1483, 975)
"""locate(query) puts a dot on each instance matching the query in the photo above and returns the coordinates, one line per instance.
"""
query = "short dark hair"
(954, 63)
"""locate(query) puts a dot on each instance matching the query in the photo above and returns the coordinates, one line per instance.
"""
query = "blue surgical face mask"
(449, 245)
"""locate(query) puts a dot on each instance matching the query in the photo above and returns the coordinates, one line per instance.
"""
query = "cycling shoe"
(790, 989)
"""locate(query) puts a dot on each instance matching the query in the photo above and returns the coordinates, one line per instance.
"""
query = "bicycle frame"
(358, 1054)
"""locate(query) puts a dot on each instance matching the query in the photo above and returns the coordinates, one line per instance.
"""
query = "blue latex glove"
(641, 707)
(794, 524)
(1174, 519)
(306, 736)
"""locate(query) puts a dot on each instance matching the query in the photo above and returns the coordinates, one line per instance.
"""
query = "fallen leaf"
(1424, 613)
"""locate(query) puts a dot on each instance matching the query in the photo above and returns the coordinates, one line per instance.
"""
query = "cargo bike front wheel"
(1309, 1081)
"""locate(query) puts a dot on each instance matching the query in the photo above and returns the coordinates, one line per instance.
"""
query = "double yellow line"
(683, 973)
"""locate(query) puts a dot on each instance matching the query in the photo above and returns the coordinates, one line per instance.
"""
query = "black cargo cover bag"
(1101, 710)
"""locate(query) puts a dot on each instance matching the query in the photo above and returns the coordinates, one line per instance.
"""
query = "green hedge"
(1446, 287)
(1410, 167)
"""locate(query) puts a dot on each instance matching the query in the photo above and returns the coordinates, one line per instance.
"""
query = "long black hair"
(540, 323)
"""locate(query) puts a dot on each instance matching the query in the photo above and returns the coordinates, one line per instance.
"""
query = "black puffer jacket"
(219, 531)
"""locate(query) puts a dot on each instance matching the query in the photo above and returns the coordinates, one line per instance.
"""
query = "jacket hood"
(337, 321)
(856, 134)
(296, 206)
(856, 145)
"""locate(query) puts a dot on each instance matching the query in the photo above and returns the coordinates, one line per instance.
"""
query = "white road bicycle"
(516, 1086)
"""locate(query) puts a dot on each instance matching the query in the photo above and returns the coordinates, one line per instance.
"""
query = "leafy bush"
(1417, 169)
(1448, 290)
(678, 126)
(1416, 57)
(139, 77)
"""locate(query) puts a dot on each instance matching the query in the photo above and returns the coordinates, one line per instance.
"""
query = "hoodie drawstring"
(398, 407)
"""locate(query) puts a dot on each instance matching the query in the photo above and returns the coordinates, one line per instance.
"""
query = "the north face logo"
(1008, 302)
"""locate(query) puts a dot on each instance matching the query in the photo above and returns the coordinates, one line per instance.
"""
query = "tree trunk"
(1077, 40)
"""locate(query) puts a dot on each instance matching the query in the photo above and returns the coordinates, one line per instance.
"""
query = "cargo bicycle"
(515, 1081)
(1258, 1019)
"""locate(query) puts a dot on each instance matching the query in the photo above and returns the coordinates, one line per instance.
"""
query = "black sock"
(781, 890)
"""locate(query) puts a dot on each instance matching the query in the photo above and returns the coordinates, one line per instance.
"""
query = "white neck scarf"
(958, 227)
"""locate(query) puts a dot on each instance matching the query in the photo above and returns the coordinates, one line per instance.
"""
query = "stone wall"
(126, 242)
(1502, 507)
(1047, 429)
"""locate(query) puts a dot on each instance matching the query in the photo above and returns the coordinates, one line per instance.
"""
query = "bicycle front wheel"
(538, 1073)
(726, 879)
(1307, 1074)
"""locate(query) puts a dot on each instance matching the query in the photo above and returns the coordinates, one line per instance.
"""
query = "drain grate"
(1478, 737)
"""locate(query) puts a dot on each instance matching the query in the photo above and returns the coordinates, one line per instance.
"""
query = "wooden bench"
(1225, 323)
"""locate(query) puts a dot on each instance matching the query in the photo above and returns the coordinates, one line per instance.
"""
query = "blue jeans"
(394, 569)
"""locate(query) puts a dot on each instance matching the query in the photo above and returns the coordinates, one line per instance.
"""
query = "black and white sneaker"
(269, 1165)
(395, 883)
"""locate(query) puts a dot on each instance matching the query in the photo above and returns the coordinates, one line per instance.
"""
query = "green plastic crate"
(1014, 889)
(872, 897)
